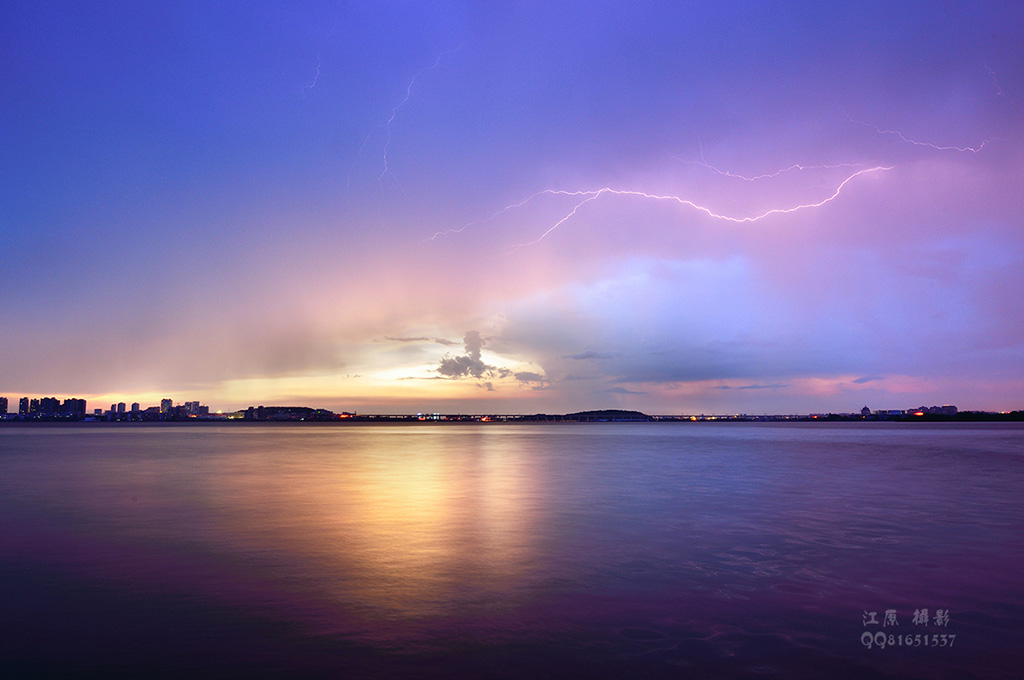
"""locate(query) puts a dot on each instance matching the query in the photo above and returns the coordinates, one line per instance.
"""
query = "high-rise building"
(120, 409)
(3, 406)
(73, 408)
(23, 406)
(165, 406)
(49, 406)
(135, 407)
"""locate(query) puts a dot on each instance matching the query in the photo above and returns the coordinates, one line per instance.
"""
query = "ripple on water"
(834, 543)
(725, 594)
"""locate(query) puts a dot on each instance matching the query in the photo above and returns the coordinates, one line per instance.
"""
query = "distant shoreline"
(585, 417)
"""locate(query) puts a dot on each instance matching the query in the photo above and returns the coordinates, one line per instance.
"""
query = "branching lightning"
(394, 112)
(386, 169)
(591, 195)
(588, 196)
(796, 166)
(513, 206)
(754, 178)
(908, 140)
(594, 195)
(902, 137)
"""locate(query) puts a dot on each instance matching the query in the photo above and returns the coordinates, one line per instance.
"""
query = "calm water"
(483, 550)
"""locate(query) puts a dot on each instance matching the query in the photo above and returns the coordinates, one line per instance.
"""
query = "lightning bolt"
(513, 206)
(319, 63)
(754, 178)
(995, 82)
(359, 154)
(589, 196)
(394, 112)
(596, 194)
(316, 76)
(386, 168)
(915, 142)
(725, 173)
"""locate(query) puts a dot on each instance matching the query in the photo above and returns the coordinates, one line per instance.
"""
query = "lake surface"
(668, 550)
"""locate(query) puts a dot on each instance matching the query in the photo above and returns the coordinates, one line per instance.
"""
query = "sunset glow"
(496, 209)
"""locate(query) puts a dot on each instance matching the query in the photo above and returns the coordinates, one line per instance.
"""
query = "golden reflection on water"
(387, 524)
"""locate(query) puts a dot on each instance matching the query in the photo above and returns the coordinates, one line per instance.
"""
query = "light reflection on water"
(718, 549)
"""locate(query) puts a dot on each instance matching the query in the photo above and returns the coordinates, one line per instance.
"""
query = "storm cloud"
(470, 364)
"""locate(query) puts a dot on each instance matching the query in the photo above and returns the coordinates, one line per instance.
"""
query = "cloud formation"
(440, 341)
(231, 256)
(469, 364)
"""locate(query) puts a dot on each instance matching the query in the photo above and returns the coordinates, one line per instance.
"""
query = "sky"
(522, 207)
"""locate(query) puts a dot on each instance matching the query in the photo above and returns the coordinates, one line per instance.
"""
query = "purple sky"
(395, 207)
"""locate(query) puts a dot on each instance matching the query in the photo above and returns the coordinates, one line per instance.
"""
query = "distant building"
(947, 410)
(48, 406)
(165, 406)
(865, 412)
(73, 409)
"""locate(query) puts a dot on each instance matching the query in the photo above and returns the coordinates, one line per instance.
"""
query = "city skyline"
(390, 209)
(73, 408)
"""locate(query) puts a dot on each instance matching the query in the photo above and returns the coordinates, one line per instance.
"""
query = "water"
(669, 550)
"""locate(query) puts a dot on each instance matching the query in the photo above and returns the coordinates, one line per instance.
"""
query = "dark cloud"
(440, 341)
(620, 390)
(867, 379)
(470, 363)
(589, 354)
(773, 386)
(529, 376)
